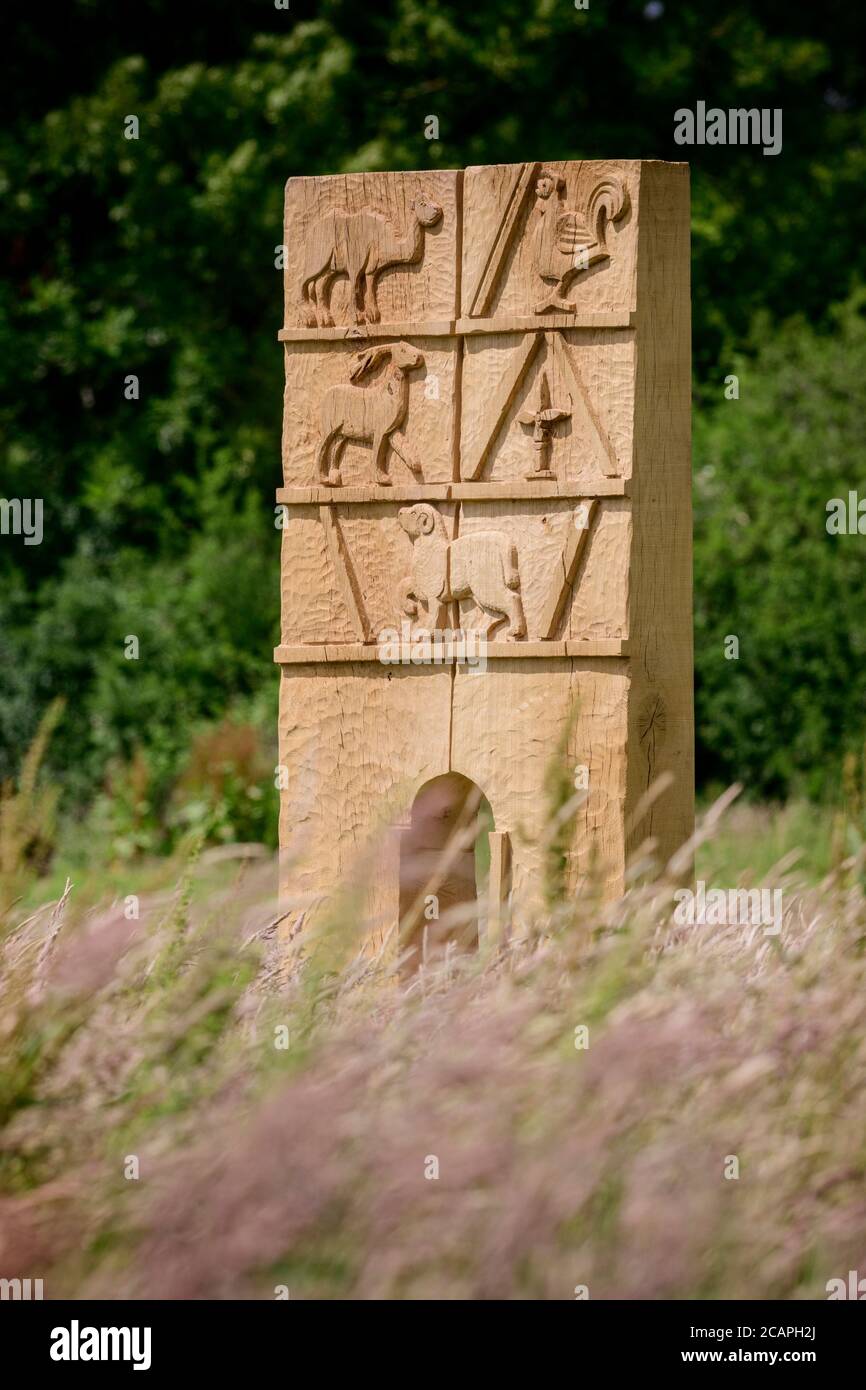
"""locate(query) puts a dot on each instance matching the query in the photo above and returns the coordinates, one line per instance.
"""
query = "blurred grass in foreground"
(159, 1039)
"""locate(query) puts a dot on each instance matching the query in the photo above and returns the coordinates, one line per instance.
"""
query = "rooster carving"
(568, 242)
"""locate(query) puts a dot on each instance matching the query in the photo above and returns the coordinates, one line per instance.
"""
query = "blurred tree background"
(155, 257)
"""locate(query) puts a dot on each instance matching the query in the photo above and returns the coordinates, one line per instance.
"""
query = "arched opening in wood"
(445, 857)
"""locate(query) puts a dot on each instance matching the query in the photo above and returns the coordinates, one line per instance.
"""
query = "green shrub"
(783, 714)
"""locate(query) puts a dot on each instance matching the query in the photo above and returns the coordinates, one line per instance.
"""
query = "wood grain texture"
(350, 742)
(383, 558)
(561, 581)
(344, 569)
(444, 492)
(523, 323)
(490, 414)
(427, 428)
(413, 651)
(511, 210)
(510, 724)
(606, 286)
(498, 888)
(362, 334)
(599, 595)
(661, 705)
(544, 534)
(415, 283)
(313, 606)
(591, 374)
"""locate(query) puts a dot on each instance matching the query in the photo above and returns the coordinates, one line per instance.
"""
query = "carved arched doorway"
(445, 857)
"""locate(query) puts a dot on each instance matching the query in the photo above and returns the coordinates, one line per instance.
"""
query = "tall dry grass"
(311, 1166)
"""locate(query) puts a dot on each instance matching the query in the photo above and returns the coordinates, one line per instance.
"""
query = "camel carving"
(567, 242)
(481, 566)
(371, 414)
(360, 245)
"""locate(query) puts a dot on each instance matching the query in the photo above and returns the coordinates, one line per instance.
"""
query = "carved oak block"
(344, 572)
(588, 380)
(573, 559)
(352, 739)
(491, 742)
(352, 572)
(379, 413)
(545, 241)
(370, 249)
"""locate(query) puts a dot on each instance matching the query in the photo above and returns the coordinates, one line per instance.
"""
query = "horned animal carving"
(481, 566)
(360, 245)
(368, 413)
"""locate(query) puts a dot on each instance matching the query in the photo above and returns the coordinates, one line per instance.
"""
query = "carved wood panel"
(380, 413)
(364, 249)
(548, 241)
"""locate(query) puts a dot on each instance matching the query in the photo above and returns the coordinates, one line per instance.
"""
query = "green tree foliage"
(770, 574)
(154, 257)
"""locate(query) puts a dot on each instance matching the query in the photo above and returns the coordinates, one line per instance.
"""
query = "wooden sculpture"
(410, 755)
